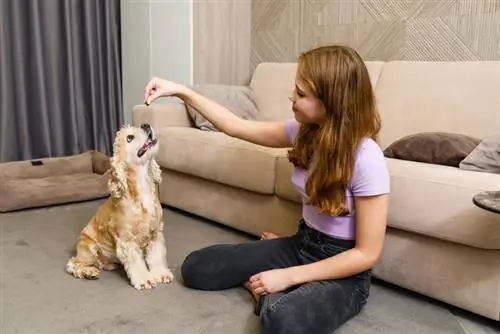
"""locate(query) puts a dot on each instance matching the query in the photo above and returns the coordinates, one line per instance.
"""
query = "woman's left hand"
(271, 281)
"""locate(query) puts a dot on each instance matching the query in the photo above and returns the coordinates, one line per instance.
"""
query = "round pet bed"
(50, 181)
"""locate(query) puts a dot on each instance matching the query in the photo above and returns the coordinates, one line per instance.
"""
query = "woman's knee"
(287, 319)
(192, 270)
(207, 269)
(309, 309)
(277, 319)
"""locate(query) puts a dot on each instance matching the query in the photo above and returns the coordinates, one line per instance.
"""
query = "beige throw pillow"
(238, 99)
(485, 157)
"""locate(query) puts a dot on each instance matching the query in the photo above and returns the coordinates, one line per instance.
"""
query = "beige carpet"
(37, 296)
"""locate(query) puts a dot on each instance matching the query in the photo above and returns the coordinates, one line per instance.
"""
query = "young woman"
(316, 280)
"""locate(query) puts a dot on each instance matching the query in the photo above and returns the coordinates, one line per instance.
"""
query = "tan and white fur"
(127, 229)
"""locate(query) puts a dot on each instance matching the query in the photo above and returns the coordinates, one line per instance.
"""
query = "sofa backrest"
(460, 97)
(273, 84)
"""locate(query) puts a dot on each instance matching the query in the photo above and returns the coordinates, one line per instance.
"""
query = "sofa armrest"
(161, 115)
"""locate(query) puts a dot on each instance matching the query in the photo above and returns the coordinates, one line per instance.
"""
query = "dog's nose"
(146, 127)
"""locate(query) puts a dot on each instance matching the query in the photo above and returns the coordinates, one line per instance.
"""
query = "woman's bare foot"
(255, 296)
(268, 236)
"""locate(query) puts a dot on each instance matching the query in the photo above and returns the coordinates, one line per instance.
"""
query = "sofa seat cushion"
(436, 201)
(284, 186)
(218, 157)
(427, 199)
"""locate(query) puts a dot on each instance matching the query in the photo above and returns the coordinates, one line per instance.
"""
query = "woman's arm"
(371, 222)
(271, 134)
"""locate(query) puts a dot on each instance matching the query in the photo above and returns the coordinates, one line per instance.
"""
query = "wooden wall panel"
(221, 41)
(444, 30)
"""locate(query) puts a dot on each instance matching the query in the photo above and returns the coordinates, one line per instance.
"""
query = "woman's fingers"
(254, 278)
(256, 284)
(150, 90)
(260, 291)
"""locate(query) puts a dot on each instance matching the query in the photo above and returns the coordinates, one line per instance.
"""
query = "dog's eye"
(130, 138)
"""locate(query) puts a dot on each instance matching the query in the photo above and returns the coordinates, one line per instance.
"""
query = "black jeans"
(315, 307)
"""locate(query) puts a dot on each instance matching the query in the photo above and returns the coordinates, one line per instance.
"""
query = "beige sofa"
(438, 243)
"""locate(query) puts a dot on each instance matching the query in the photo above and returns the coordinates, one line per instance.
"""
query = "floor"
(37, 296)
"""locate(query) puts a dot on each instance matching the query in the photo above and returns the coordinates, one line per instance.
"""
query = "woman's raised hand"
(158, 87)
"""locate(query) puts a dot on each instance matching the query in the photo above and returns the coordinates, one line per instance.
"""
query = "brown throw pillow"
(485, 157)
(438, 148)
(238, 99)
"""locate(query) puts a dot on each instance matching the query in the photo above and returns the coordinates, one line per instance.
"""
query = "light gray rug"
(37, 296)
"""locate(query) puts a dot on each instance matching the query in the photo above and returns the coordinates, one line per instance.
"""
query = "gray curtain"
(60, 76)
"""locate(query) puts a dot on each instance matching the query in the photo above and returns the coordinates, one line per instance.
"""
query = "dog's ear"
(155, 171)
(117, 184)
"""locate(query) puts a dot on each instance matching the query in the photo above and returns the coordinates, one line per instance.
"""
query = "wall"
(188, 41)
(156, 41)
(441, 30)
(221, 41)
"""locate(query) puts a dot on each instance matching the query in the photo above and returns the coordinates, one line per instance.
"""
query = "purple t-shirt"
(371, 177)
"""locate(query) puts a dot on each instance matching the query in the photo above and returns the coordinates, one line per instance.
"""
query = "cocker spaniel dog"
(127, 229)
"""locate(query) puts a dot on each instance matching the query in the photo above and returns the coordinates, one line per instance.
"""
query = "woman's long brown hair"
(338, 77)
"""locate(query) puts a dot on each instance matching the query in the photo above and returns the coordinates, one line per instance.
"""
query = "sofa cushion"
(284, 186)
(436, 201)
(448, 214)
(440, 148)
(238, 99)
(217, 157)
(457, 97)
(485, 157)
(272, 83)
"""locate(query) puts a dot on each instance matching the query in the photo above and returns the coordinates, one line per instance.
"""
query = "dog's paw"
(90, 273)
(79, 271)
(163, 275)
(144, 282)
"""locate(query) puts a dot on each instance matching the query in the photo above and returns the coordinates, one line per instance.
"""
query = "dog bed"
(50, 181)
